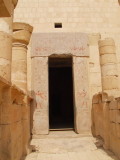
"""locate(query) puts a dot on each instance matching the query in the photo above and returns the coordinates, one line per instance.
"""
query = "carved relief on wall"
(45, 44)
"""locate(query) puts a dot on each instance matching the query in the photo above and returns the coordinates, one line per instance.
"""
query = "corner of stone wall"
(106, 121)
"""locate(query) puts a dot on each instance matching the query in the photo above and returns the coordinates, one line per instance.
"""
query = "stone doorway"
(61, 108)
(61, 45)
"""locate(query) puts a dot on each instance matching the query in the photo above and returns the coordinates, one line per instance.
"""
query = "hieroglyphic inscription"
(81, 89)
(40, 87)
(45, 44)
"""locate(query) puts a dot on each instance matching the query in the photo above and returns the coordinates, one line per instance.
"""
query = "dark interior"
(61, 113)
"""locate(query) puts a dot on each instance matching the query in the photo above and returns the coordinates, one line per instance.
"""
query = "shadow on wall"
(119, 1)
(32, 112)
(106, 121)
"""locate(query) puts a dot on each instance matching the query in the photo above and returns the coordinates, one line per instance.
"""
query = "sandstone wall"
(87, 16)
(14, 122)
(14, 103)
(106, 121)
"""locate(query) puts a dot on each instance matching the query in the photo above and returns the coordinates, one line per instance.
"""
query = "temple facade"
(59, 70)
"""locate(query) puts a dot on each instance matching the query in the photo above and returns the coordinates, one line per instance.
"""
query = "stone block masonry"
(83, 16)
(6, 27)
(45, 45)
(106, 121)
(14, 122)
(14, 102)
(5, 55)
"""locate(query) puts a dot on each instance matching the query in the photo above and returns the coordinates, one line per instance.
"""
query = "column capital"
(22, 33)
(21, 37)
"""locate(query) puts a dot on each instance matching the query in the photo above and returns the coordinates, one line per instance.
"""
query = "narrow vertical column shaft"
(108, 64)
(21, 37)
(19, 65)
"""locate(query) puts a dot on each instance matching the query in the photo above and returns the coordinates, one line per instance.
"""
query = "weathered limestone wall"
(5, 50)
(40, 93)
(19, 65)
(106, 121)
(86, 16)
(81, 94)
(95, 84)
(14, 122)
(14, 103)
(6, 28)
(5, 55)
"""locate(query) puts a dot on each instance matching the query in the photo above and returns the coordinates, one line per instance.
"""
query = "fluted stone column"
(108, 64)
(6, 24)
(21, 37)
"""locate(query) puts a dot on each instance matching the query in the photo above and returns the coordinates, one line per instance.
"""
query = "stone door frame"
(78, 49)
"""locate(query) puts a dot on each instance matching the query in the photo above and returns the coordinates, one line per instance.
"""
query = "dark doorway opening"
(61, 109)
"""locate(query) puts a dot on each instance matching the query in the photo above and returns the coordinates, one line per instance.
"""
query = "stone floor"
(67, 145)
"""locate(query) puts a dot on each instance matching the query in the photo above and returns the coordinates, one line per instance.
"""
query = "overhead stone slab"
(46, 44)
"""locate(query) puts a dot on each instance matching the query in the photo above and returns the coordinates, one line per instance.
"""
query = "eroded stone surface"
(81, 92)
(67, 145)
(106, 123)
(40, 94)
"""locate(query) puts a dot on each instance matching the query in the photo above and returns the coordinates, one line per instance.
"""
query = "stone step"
(81, 155)
(62, 134)
(67, 145)
(62, 145)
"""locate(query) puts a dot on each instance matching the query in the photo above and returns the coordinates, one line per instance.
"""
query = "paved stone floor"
(67, 145)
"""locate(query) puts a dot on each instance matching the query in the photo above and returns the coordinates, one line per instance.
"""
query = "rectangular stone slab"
(40, 93)
(81, 94)
(46, 44)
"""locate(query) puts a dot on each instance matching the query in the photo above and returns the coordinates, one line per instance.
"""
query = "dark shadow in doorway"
(61, 112)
